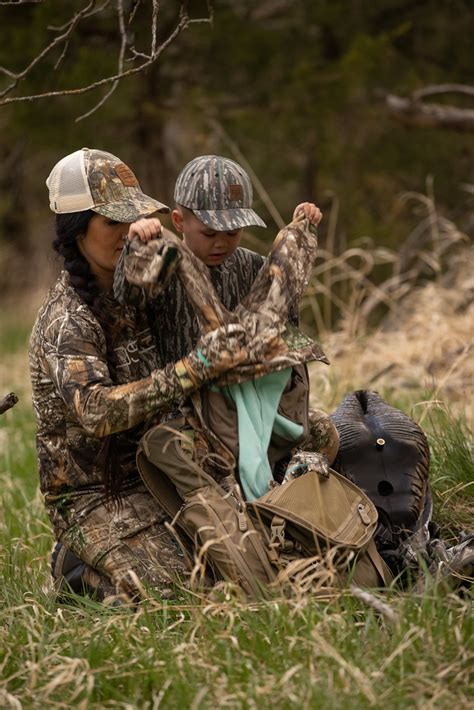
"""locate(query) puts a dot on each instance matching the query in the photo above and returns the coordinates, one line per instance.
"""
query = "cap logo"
(235, 192)
(126, 176)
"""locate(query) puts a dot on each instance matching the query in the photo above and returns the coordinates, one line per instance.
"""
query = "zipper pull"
(242, 518)
(241, 515)
(363, 514)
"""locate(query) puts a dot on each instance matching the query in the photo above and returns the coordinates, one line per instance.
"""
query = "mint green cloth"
(257, 403)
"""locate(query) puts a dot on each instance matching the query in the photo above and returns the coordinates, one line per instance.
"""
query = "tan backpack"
(321, 514)
(256, 545)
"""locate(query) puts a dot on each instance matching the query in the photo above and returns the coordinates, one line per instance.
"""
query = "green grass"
(195, 653)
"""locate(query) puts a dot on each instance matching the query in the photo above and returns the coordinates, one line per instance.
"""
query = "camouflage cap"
(218, 191)
(99, 181)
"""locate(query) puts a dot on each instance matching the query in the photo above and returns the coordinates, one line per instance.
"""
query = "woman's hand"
(145, 229)
(310, 210)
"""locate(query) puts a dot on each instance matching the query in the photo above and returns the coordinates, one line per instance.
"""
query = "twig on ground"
(371, 600)
(8, 402)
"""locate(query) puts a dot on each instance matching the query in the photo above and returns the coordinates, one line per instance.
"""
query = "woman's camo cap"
(218, 191)
(91, 179)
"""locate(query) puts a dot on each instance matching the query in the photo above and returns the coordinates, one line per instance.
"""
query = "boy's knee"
(323, 435)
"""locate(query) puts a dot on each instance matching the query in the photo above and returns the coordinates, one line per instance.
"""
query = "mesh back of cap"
(69, 189)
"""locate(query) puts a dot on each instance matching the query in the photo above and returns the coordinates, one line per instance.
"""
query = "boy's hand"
(309, 210)
(145, 229)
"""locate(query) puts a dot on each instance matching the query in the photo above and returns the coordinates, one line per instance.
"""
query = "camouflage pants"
(125, 546)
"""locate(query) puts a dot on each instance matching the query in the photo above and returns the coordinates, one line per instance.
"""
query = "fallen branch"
(8, 402)
(374, 602)
(412, 111)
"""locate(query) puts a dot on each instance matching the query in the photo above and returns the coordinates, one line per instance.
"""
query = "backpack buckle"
(277, 529)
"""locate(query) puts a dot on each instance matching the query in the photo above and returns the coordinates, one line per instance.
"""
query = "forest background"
(300, 92)
(295, 86)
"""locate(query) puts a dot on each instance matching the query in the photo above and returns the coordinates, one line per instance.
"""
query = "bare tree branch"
(61, 56)
(442, 89)
(20, 2)
(8, 402)
(210, 11)
(123, 45)
(147, 60)
(154, 25)
(62, 38)
(133, 11)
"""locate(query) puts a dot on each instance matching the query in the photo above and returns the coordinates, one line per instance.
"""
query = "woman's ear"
(177, 219)
(79, 242)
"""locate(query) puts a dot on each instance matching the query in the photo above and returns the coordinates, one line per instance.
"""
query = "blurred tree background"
(292, 85)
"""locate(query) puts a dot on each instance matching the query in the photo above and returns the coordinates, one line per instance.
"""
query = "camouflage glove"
(304, 461)
(215, 353)
(151, 263)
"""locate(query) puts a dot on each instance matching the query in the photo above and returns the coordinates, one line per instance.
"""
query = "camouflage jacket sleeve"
(144, 269)
(75, 357)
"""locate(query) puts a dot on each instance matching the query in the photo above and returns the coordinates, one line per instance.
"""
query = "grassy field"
(198, 653)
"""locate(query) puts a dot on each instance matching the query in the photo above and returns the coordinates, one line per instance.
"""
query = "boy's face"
(212, 247)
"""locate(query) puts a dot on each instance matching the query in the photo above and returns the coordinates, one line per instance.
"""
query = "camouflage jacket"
(153, 273)
(172, 315)
(75, 400)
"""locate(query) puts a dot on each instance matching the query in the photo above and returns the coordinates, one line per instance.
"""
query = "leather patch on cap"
(235, 192)
(126, 175)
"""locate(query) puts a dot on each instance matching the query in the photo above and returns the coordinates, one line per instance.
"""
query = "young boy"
(213, 204)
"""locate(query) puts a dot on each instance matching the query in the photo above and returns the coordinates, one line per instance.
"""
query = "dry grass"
(423, 342)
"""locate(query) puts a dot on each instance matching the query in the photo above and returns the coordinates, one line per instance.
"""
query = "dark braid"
(69, 227)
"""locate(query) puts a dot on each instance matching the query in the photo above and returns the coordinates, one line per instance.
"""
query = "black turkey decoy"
(387, 454)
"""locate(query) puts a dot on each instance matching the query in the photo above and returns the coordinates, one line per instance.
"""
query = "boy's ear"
(177, 219)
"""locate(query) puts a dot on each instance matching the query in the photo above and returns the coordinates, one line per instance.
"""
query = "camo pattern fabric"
(77, 404)
(263, 312)
(323, 435)
(219, 192)
(126, 544)
(147, 277)
(115, 189)
(273, 342)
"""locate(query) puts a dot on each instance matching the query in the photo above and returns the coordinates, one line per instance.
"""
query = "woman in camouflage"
(97, 382)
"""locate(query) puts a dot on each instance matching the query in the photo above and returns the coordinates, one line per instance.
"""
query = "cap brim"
(129, 210)
(224, 220)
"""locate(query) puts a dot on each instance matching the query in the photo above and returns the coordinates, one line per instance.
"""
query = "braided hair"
(69, 227)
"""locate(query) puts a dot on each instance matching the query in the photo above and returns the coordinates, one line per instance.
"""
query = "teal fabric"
(257, 403)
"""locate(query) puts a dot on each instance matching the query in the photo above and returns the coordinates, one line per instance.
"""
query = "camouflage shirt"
(75, 400)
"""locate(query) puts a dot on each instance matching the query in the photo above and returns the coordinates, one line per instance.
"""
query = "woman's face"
(101, 246)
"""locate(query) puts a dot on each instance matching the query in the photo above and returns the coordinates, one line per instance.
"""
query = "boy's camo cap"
(91, 179)
(218, 191)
